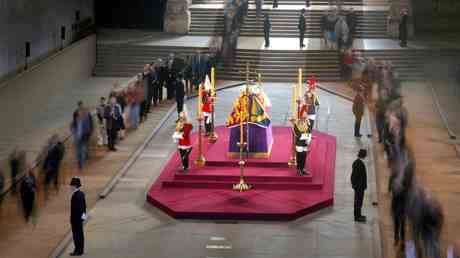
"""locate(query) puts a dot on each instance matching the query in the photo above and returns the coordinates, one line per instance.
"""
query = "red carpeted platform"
(277, 192)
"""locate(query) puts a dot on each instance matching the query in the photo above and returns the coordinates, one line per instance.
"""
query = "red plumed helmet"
(312, 83)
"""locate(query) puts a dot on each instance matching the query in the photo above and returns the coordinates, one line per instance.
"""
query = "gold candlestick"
(293, 160)
(213, 135)
(242, 185)
(200, 160)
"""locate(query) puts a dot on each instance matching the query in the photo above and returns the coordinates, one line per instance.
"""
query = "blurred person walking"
(82, 129)
(28, 189)
(52, 162)
(102, 133)
(267, 28)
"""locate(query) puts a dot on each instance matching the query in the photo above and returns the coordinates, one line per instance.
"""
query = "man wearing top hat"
(77, 216)
(359, 184)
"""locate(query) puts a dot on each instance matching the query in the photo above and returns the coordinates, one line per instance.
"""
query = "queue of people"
(412, 207)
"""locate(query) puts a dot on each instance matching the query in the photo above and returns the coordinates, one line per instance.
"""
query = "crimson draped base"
(277, 192)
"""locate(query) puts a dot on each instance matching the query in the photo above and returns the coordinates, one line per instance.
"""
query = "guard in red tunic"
(182, 137)
(207, 110)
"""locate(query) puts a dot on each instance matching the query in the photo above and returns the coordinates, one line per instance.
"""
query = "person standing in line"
(188, 76)
(307, 3)
(28, 189)
(403, 28)
(302, 133)
(267, 28)
(359, 184)
(275, 3)
(102, 133)
(113, 117)
(358, 111)
(301, 26)
(180, 93)
(182, 137)
(351, 23)
(77, 216)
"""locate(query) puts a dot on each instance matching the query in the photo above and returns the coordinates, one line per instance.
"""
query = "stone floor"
(139, 230)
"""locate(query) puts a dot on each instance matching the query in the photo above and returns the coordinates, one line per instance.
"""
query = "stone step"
(302, 2)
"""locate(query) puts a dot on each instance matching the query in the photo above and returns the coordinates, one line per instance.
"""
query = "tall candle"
(299, 85)
(200, 99)
(213, 81)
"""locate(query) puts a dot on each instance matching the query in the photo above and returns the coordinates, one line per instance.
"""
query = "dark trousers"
(180, 104)
(301, 159)
(28, 200)
(160, 91)
(207, 126)
(359, 197)
(148, 103)
(312, 124)
(301, 37)
(267, 38)
(170, 90)
(143, 109)
(399, 217)
(358, 125)
(184, 154)
(111, 138)
(188, 87)
(380, 124)
(156, 93)
(52, 175)
(78, 237)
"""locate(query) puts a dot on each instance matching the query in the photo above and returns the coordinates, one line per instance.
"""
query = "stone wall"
(36, 21)
(177, 16)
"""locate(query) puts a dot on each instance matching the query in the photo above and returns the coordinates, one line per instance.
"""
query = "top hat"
(75, 182)
(362, 153)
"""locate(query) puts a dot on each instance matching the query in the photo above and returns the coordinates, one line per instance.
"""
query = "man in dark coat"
(403, 28)
(359, 184)
(351, 22)
(77, 216)
(180, 93)
(358, 111)
(267, 28)
(113, 116)
(302, 27)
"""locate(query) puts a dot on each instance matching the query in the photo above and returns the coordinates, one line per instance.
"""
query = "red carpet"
(277, 193)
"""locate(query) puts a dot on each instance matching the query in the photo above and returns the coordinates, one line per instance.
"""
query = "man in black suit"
(301, 27)
(359, 184)
(267, 28)
(77, 216)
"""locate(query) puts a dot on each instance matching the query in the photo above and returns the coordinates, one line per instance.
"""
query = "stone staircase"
(302, 2)
(210, 21)
(282, 65)
(126, 60)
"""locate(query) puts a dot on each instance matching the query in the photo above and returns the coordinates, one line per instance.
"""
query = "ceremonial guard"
(207, 107)
(311, 104)
(302, 132)
(182, 137)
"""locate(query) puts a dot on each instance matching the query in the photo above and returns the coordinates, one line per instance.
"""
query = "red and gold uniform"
(207, 110)
(182, 136)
